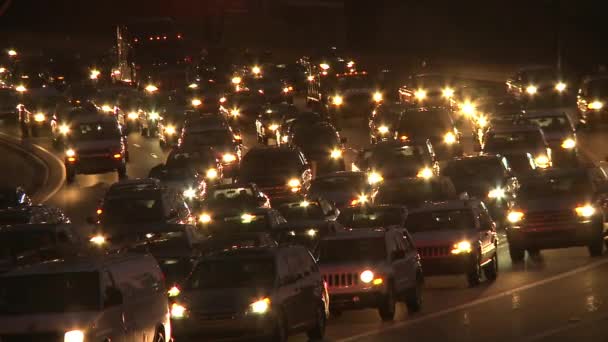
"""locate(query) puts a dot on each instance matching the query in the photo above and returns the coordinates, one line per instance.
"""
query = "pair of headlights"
(583, 211)
(260, 307)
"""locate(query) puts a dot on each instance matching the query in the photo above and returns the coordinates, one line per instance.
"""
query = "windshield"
(315, 137)
(423, 123)
(299, 211)
(274, 164)
(233, 273)
(352, 250)
(370, 217)
(551, 123)
(439, 220)
(514, 140)
(383, 157)
(207, 138)
(132, 210)
(339, 184)
(239, 223)
(475, 169)
(557, 186)
(50, 293)
(95, 131)
(413, 193)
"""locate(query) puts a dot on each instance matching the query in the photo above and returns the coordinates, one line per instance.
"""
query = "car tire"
(517, 254)
(474, 275)
(122, 172)
(491, 269)
(70, 176)
(280, 333)
(387, 305)
(317, 332)
(413, 296)
(596, 246)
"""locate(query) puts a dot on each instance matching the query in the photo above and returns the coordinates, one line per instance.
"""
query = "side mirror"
(113, 297)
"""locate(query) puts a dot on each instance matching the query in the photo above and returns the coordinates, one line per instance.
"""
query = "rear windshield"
(424, 123)
(551, 123)
(440, 220)
(95, 131)
(514, 140)
(370, 218)
(132, 210)
(207, 138)
(352, 250)
(339, 184)
(298, 211)
(233, 273)
(50, 293)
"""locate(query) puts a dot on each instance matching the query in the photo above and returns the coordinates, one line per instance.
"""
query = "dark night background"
(488, 31)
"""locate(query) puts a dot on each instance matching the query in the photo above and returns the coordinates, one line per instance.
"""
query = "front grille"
(434, 251)
(32, 337)
(214, 316)
(549, 219)
(341, 279)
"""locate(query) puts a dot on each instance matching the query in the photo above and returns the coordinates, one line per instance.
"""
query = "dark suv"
(268, 292)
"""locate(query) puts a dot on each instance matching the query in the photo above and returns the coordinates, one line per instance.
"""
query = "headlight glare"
(228, 158)
(585, 211)
(569, 143)
(449, 138)
(367, 276)
(461, 247)
(261, 306)
(497, 193)
(73, 336)
(515, 216)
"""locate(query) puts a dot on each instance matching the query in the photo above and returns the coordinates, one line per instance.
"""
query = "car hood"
(59, 322)
(441, 237)
(552, 203)
(220, 300)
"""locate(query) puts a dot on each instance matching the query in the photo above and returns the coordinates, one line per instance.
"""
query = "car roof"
(357, 234)
(231, 186)
(271, 149)
(94, 118)
(472, 157)
(341, 174)
(515, 128)
(544, 113)
(254, 252)
(445, 205)
(138, 185)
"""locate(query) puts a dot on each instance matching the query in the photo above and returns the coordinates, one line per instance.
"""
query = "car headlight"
(596, 105)
(107, 108)
(569, 143)
(150, 88)
(374, 178)
(64, 129)
(447, 92)
(228, 158)
(420, 94)
(178, 311)
(560, 86)
(212, 173)
(515, 216)
(273, 127)
(336, 153)
(497, 193)
(377, 96)
(189, 193)
(425, 173)
(260, 307)
(196, 102)
(311, 232)
(170, 130)
(337, 100)
(173, 291)
(247, 218)
(585, 211)
(154, 116)
(383, 129)
(70, 153)
(256, 70)
(468, 109)
(133, 116)
(294, 183)
(542, 161)
(361, 199)
(39, 117)
(449, 138)
(461, 247)
(73, 336)
(367, 276)
(531, 89)
(98, 240)
(204, 218)
(235, 112)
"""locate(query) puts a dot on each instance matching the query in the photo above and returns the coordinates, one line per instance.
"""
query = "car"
(343, 188)
(24, 244)
(352, 94)
(487, 177)
(96, 144)
(591, 100)
(37, 109)
(455, 237)
(366, 216)
(266, 220)
(538, 80)
(243, 106)
(307, 234)
(560, 133)
(11, 197)
(371, 269)
(383, 121)
(62, 122)
(279, 172)
(524, 146)
(225, 242)
(429, 90)
(184, 179)
(33, 214)
(294, 121)
(9, 99)
(308, 209)
(63, 299)
(225, 143)
(435, 124)
(322, 146)
(203, 159)
(175, 247)
(413, 192)
(270, 119)
(140, 201)
(396, 159)
(558, 208)
(224, 198)
(169, 128)
(272, 89)
(250, 292)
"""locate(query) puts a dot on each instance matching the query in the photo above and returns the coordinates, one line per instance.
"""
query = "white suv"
(371, 269)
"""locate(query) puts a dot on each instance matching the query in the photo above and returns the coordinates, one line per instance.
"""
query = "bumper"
(356, 300)
(558, 236)
(447, 265)
(93, 165)
(222, 328)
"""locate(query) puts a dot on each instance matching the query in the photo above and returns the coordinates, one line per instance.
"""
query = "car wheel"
(474, 275)
(387, 305)
(413, 297)
(122, 172)
(517, 254)
(318, 330)
(280, 329)
(70, 176)
(491, 269)
(596, 246)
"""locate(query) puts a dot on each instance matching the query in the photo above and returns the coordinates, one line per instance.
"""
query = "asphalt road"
(558, 297)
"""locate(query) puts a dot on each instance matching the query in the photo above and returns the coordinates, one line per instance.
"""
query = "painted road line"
(153, 155)
(137, 145)
(477, 302)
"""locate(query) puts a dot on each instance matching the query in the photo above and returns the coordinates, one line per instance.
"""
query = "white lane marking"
(154, 155)
(137, 145)
(476, 302)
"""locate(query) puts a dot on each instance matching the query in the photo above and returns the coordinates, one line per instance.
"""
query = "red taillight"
(117, 155)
